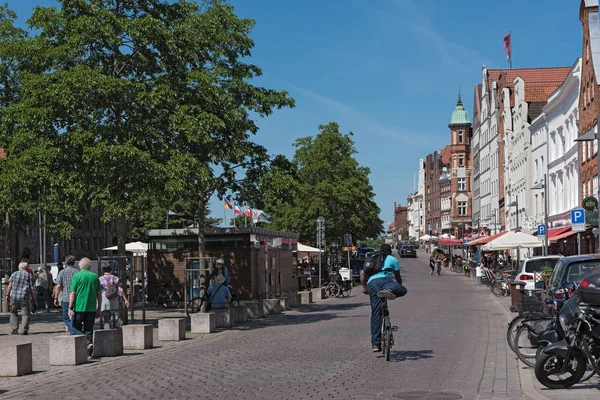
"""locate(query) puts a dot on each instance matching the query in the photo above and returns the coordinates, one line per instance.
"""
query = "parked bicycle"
(163, 296)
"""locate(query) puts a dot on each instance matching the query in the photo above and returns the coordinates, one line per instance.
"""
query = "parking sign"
(541, 232)
(578, 220)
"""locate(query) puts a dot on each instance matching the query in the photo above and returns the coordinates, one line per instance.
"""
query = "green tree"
(326, 180)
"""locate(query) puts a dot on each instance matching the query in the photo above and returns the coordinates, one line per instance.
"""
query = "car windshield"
(408, 247)
(539, 265)
(578, 271)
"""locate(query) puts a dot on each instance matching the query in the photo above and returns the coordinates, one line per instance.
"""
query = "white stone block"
(138, 337)
(203, 322)
(284, 304)
(68, 350)
(108, 342)
(294, 300)
(171, 329)
(240, 313)
(255, 309)
(16, 360)
(306, 297)
(319, 294)
(224, 318)
(271, 306)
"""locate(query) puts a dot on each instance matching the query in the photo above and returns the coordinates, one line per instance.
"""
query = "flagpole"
(511, 52)
(224, 215)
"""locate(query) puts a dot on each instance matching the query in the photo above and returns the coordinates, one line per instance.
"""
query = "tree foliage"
(323, 179)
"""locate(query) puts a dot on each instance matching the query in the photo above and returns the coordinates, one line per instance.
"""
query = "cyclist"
(386, 284)
(220, 269)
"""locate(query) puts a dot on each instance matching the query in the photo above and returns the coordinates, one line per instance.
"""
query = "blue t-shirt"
(219, 297)
(389, 266)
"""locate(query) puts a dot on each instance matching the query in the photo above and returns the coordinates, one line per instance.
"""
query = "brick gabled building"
(589, 104)
(433, 172)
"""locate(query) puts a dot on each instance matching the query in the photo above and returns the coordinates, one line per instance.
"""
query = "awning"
(450, 242)
(555, 231)
(134, 247)
(513, 240)
(302, 248)
(562, 235)
(485, 239)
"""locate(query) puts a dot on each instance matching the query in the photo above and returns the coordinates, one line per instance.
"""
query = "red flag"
(508, 49)
(248, 212)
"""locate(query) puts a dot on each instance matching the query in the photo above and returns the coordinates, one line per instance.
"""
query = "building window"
(462, 208)
(460, 137)
(461, 161)
(462, 184)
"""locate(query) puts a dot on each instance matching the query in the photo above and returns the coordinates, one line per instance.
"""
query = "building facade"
(433, 170)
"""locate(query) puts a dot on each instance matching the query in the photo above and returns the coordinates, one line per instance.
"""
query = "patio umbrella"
(134, 247)
(513, 240)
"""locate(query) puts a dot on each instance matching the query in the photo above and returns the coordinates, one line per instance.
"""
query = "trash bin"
(515, 294)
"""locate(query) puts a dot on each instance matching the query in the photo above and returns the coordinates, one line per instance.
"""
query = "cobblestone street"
(451, 340)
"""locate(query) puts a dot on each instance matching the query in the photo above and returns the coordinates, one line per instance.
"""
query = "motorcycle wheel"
(548, 365)
(511, 332)
(524, 350)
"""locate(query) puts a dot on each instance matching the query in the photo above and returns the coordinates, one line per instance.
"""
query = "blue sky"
(390, 70)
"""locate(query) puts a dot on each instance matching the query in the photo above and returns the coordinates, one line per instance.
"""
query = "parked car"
(408, 251)
(358, 259)
(535, 264)
(570, 271)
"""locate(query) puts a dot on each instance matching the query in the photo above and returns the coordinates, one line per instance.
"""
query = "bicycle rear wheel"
(497, 289)
(346, 289)
(194, 305)
(174, 300)
(525, 351)
(388, 338)
(511, 332)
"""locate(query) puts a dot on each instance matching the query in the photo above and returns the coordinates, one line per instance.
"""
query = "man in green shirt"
(84, 301)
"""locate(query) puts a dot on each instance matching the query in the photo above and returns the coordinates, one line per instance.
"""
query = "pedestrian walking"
(479, 273)
(84, 302)
(62, 291)
(111, 293)
(20, 294)
(43, 287)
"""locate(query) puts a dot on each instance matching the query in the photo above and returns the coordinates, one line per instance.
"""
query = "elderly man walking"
(84, 301)
(20, 293)
(62, 291)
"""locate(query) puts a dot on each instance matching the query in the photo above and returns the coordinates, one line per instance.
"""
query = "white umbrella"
(133, 247)
(513, 240)
(302, 248)
(425, 238)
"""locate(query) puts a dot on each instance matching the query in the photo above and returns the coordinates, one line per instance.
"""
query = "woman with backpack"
(111, 293)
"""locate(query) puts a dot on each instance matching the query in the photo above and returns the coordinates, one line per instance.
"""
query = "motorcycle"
(565, 362)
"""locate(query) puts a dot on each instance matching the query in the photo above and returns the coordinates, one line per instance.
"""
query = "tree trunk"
(201, 233)
(121, 231)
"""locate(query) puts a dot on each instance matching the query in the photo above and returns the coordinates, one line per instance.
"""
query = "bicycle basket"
(532, 305)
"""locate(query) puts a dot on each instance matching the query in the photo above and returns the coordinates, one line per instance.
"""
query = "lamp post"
(545, 187)
(589, 137)
(516, 205)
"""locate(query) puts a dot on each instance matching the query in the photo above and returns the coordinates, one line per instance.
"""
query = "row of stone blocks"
(16, 360)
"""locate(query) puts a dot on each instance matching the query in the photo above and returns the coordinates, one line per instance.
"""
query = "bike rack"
(133, 260)
(191, 279)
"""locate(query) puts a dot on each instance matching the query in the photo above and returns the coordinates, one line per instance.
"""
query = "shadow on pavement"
(283, 320)
(410, 355)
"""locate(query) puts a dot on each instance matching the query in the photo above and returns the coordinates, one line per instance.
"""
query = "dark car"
(408, 251)
(358, 259)
(570, 271)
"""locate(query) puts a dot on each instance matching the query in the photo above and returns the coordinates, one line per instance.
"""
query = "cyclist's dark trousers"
(375, 286)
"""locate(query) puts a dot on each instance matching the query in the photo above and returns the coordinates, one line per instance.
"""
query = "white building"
(562, 120)
(415, 214)
(485, 139)
(539, 157)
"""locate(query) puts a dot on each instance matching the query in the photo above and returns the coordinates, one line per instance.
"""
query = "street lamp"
(545, 187)
(588, 137)
(516, 204)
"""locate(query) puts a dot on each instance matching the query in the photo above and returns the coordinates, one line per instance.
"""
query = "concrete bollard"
(138, 337)
(319, 294)
(240, 314)
(255, 309)
(16, 360)
(294, 300)
(306, 297)
(271, 306)
(203, 322)
(284, 304)
(108, 342)
(171, 329)
(68, 350)
(224, 318)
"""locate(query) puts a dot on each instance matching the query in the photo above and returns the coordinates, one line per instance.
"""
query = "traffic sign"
(578, 220)
(541, 230)
(590, 203)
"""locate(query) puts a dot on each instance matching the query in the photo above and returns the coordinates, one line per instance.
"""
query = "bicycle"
(197, 303)
(166, 298)
(333, 289)
(387, 337)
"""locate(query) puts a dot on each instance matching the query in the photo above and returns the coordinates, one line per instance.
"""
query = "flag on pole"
(248, 212)
(236, 209)
(508, 49)
(228, 205)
